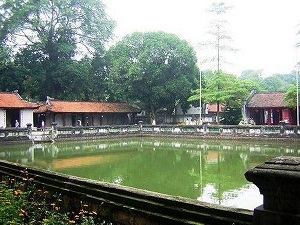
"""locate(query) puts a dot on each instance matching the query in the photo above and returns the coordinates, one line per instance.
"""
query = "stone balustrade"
(205, 131)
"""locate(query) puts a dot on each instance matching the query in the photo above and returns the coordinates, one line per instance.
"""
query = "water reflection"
(210, 171)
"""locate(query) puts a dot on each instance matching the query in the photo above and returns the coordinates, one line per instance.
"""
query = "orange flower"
(17, 192)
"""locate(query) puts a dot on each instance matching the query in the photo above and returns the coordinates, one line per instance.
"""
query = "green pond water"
(209, 171)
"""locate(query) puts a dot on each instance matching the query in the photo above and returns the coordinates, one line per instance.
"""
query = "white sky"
(264, 31)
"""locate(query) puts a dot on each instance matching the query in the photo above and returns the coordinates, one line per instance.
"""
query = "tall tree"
(229, 91)
(57, 27)
(52, 33)
(219, 40)
(156, 69)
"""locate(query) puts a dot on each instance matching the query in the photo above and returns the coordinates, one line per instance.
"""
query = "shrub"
(21, 202)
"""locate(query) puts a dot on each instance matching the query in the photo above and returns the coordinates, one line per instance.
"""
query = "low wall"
(128, 205)
(204, 131)
(14, 134)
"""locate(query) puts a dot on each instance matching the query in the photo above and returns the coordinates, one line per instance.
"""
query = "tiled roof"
(267, 100)
(9, 100)
(213, 108)
(86, 107)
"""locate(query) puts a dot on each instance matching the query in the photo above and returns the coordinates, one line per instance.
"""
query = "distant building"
(191, 117)
(74, 113)
(269, 109)
(13, 108)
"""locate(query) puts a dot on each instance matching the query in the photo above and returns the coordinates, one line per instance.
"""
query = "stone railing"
(14, 134)
(205, 131)
(223, 131)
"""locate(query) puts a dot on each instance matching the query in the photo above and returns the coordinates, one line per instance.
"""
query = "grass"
(21, 202)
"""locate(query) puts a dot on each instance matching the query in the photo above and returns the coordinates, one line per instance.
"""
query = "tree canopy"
(47, 37)
(275, 82)
(227, 90)
(156, 69)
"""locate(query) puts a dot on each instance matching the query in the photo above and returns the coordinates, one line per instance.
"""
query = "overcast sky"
(264, 31)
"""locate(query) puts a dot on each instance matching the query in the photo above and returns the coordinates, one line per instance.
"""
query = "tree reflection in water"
(210, 171)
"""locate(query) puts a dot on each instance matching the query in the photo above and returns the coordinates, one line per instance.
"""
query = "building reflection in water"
(210, 171)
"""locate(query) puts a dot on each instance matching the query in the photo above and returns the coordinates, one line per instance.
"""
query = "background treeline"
(63, 49)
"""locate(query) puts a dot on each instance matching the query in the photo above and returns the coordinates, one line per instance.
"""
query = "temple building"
(15, 111)
(77, 113)
(269, 109)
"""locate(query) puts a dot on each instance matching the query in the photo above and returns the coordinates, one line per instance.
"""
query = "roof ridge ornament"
(48, 100)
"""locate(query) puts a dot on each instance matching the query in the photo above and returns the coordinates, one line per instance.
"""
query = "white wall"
(59, 120)
(26, 116)
(2, 118)
(191, 111)
(68, 120)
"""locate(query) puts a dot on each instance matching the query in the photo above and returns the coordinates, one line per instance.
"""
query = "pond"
(206, 170)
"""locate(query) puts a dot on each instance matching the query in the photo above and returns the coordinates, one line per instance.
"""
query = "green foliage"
(291, 97)
(227, 90)
(232, 116)
(22, 203)
(219, 88)
(156, 69)
(254, 75)
(59, 27)
(278, 82)
(47, 37)
(273, 83)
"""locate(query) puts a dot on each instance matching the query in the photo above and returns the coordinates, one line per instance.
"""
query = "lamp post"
(297, 91)
(200, 99)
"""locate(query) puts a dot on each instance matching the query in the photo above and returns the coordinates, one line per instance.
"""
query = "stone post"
(262, 131)
(279, 182)
(282, 128)
(296, 130)
(140, 126)
(29, 128)
(204, 128)
(53, 130)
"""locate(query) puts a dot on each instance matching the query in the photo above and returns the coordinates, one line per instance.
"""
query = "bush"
(21, 202)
